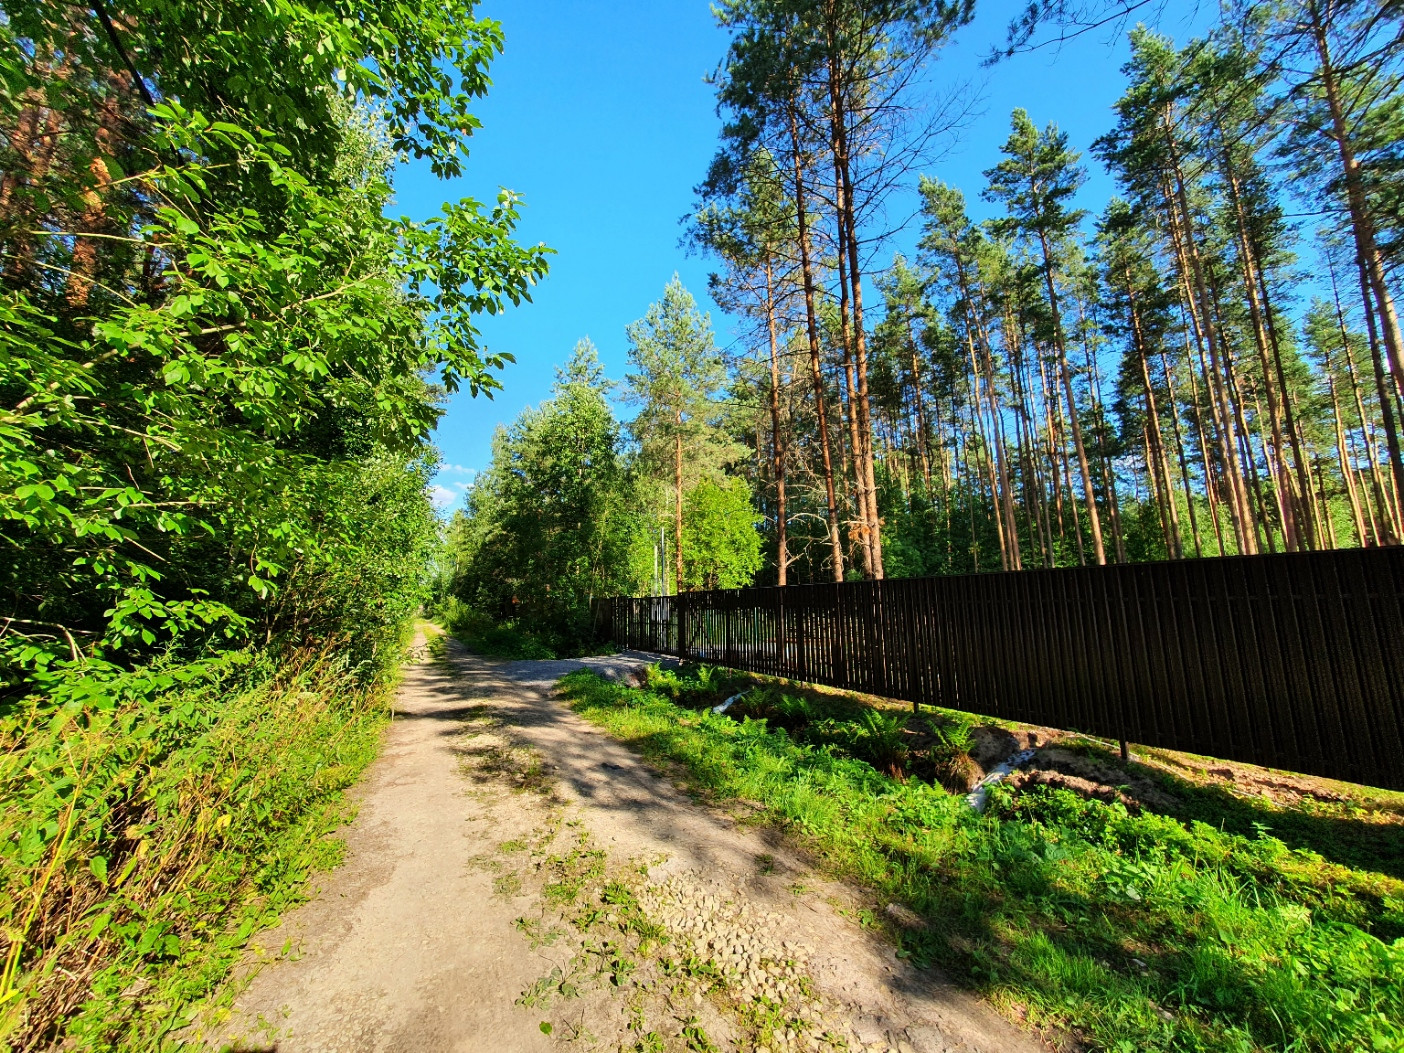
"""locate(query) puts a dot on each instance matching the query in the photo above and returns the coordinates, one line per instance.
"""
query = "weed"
(619, 969)
(537, 934)
(950, 754)
(558, 983)
(572, 872)
(955, 737)
(486, 636)
(628, 916)
(696, 1037)
(881, 740)
(507, 885)
(580, 1033)
(694, 685)
(794, 710)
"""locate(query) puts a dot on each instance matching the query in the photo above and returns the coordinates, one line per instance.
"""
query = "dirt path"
(516, 880)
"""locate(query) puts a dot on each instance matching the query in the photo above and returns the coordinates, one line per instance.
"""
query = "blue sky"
(600, 117)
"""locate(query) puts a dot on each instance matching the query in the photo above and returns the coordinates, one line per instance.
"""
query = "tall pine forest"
(1208, 365)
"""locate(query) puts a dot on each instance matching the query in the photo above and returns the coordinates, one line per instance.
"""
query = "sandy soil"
(516, 880)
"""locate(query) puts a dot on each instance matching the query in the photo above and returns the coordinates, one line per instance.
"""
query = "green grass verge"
(1359, 826)
(1133, 931)
(145, 837)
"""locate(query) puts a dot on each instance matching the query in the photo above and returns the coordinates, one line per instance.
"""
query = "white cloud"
(456, 469)
(441, 497)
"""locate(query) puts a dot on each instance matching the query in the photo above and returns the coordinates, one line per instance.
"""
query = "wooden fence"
(1292, 661)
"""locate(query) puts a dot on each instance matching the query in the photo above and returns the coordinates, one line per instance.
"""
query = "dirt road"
(516, 880)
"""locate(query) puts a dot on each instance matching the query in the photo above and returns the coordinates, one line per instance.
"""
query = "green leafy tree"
(722, 546)
(256, 321)
(220, 361)
(553, 521)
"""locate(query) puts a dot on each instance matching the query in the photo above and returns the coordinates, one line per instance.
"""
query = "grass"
(145, 838)
(1356, 825)
(934, 746)
(1200, 931)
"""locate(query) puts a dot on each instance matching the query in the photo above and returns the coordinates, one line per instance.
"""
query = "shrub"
(950, 754)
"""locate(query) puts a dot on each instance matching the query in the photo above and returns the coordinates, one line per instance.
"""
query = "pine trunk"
(777, 450)
(1084, 468)
(1157, 465)
(848, 244)
(1386, 406)
(852, 417)
(1367, 429)
(1181, 456)
(678, 504)
(1197, 302)
(1295, 523)
(1361, 222)
(816, 371)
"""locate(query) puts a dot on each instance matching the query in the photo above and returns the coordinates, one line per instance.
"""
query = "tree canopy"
(220, 363)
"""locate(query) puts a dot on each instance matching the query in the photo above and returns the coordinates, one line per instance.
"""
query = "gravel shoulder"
(517, 880)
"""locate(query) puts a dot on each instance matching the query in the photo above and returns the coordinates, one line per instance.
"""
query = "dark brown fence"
(1292, 661)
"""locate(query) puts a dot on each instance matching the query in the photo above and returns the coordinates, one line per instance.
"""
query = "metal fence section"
(1292, 661)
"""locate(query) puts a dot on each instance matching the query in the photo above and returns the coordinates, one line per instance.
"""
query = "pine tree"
(1038, 176)
(745, 222)
(677, 384)
(1339, 75)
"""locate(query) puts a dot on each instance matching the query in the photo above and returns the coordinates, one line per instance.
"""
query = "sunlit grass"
(1134, 931)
